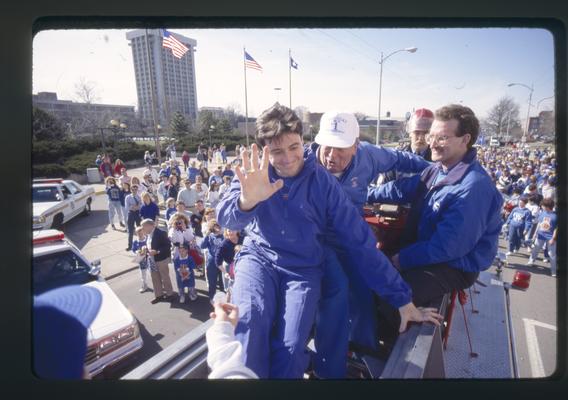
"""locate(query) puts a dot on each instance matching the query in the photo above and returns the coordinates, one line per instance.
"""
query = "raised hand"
(255, 184)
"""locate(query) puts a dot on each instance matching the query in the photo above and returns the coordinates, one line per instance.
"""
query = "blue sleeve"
(528, 222)
(205, 242)
(400, 191)
(229, 214)
(462, 223)
(385, 159)
(510, 217)
(360, 244)
(219, 254)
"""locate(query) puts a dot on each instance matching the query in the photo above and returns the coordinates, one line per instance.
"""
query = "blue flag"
(293, 63)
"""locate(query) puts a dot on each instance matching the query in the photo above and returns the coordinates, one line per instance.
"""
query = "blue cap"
(61, 318)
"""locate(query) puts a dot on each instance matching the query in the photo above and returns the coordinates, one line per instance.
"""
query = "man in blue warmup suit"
(452, 231)
(344, 295)
(287, 206)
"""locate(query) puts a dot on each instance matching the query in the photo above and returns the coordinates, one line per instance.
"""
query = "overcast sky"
(337, 68)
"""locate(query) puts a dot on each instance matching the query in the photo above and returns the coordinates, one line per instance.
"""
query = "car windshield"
(45, 194)
(59, 269)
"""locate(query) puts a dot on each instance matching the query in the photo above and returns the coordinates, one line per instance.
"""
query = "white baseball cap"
(337, 129)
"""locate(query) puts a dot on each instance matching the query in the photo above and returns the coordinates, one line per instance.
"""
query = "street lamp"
(529, 106)
(541, 100)
(383, 59)
(210, 130)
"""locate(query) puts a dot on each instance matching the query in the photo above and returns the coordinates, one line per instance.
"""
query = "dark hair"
(547, 202)
(532, 187)
(467, 121)
(276, 121)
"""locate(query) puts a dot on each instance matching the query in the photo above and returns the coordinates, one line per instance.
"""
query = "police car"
(114, 335)
(56, 201)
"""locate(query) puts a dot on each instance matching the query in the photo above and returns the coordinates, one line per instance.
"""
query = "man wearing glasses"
(453, 229)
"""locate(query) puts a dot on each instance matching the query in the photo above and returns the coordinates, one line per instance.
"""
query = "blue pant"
(189, 283)
(515, 237)
(346, 312)
(277, 309)
(332, 321)
(214, 278)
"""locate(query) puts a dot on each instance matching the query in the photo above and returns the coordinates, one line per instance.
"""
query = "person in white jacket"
(225, 353)
(179, 232)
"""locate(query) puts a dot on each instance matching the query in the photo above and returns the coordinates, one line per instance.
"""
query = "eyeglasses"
(439, 139)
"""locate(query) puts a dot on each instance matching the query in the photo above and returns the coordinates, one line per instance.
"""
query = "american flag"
(177, 47)
(251, 63)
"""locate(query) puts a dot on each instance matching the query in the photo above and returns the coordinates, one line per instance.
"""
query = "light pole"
(383, 59)
(210, 130)
(529, 106)
(541, 100)
(277, 90)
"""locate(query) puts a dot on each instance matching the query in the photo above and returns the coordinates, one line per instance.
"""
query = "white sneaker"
(193, 295)
(530, 261)
(182, 299)
(553, 275)
(507, 254)
(143, 289)
(545, 260)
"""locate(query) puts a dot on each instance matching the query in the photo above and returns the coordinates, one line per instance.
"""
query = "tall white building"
(174, 78)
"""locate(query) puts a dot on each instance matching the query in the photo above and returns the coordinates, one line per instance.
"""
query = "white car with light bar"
(114, 335)
(56, 201)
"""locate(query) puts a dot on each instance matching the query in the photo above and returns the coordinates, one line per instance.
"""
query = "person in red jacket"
(106, 167)
(185, 159)
(118, 165)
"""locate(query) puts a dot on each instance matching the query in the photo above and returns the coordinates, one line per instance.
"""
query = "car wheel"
(57, 222)
(87, 209)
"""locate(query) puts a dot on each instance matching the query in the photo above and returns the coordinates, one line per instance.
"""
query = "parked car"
(114, 335)
(56, 201)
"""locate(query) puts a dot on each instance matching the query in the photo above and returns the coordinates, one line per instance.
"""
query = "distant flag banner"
(293, 63)
(251, 63)
(177, 47)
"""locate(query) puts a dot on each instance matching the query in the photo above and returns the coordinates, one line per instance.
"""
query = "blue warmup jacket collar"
(287, 230)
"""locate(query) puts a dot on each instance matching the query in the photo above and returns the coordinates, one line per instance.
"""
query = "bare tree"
(86, 91)
(503, 115)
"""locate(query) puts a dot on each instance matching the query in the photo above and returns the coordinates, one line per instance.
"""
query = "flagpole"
(290, 75)
(156, 140)
(246, 101)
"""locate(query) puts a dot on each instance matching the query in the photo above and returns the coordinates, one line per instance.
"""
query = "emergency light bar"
(53, 237)
(53, 180)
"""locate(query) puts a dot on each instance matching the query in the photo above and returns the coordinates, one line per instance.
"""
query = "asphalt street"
(533, 310)
(161, 324)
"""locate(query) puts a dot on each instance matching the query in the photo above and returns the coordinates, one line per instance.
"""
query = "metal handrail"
(183, 359)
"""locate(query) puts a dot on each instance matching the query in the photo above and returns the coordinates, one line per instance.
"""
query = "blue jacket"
(460, 218)
(212, 243)
(287, 229)
(149, 211)
(369, 161)
(113, 193)
(520, 217)
(547, 223)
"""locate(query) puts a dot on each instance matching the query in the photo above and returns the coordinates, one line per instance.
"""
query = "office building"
(173, 78)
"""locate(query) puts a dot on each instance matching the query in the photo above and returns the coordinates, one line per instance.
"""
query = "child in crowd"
(162, 188)
(170, 210)
(207, 216)
(519, 223)
(114, 202)
(140, 249)
(545, 234)
(184, 266)
(212, 242)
